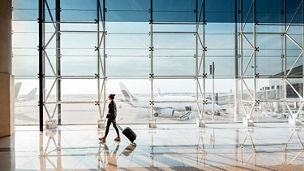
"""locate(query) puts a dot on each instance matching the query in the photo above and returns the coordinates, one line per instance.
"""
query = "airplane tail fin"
(17, 88)
(31, 95)
(128, 97)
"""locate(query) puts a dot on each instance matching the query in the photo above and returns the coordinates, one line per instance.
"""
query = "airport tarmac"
(27, 113)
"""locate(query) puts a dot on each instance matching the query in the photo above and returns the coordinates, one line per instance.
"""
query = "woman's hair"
(111, 96)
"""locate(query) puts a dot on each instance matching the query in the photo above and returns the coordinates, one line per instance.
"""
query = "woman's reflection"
(110, 160)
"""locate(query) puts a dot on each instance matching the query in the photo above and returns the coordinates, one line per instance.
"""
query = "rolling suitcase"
(128, 132)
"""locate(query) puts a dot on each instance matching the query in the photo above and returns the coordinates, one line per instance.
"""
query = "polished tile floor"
(267, 146)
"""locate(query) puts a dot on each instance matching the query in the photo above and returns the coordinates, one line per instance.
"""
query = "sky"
(128, 56)
(127, 47)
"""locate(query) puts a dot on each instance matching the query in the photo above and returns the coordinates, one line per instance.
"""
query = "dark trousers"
(108, 127)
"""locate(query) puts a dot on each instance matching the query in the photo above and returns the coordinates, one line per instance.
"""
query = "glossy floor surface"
(275, 146)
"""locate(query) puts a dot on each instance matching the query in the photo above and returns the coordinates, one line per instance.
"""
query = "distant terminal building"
(296, 80)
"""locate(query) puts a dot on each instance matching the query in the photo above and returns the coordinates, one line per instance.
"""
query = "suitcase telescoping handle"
(119, 127)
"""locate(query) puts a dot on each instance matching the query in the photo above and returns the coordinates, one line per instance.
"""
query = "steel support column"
(204, 60)
(58, 60)
(41, 63)
(101, 62)
(247, 119)
(197, 64)
(241, 54)
(302, 51)
(200, 63)
(284, 55)
(255, 74)
(100, 123)
(104, 58)
(236, 56)
(152, 122)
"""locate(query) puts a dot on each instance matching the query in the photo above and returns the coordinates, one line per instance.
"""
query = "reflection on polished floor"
(267, 146)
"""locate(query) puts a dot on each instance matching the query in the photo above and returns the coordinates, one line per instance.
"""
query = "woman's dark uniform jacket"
(112, 110)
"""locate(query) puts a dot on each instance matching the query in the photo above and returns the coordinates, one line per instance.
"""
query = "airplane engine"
(165, 113)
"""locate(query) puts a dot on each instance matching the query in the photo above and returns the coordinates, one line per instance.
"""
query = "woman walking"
(112, 113)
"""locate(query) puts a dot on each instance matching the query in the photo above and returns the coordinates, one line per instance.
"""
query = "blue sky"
(123, 62)
(128, 42)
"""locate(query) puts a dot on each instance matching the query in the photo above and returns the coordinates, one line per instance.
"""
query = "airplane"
(29, 96)
(167, 109)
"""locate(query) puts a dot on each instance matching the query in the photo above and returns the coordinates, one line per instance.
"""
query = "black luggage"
(128, 132)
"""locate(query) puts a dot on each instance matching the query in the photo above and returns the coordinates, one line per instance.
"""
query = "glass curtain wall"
(166, 61)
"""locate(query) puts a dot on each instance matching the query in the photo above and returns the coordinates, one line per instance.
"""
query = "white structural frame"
(100, 75)
(254, 99)
(200, 75)
(199, 64)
